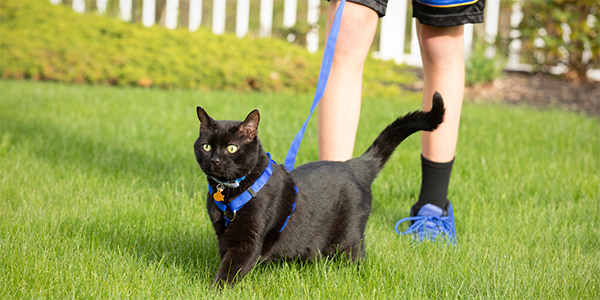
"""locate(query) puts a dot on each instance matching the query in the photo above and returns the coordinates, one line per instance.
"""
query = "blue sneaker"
(431, 223)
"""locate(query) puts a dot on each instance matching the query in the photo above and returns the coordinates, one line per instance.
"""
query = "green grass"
(101, 198)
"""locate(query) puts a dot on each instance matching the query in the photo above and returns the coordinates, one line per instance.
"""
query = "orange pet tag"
(218, 196)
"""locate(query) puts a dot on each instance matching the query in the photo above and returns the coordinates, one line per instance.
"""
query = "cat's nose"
(215, 159)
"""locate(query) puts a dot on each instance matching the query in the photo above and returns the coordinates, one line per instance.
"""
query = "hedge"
(41, 41)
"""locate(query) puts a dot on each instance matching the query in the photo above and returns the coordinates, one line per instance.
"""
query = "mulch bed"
(540, 91)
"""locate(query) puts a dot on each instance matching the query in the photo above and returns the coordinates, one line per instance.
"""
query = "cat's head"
(227, 150)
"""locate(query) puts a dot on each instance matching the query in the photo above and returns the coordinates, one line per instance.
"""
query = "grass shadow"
(190, 250)
(64, 147)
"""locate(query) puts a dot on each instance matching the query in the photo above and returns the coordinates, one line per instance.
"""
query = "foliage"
(480, 68)
(568, 29)
(41, 41)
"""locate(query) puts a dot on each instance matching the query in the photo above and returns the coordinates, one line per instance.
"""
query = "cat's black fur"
(333, 202)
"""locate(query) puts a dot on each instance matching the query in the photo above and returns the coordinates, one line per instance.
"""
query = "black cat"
(262, 212)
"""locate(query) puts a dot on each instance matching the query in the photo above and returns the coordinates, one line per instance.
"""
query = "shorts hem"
(449, 16)
(449, 20)
(379, 6)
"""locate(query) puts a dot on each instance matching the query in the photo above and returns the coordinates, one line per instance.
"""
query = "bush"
(560, 31)
(41, 41)
(480, 68)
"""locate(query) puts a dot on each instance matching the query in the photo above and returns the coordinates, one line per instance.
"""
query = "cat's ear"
(250, 126)
(205, 119)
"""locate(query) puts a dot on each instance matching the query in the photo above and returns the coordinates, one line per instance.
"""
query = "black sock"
(434, 184)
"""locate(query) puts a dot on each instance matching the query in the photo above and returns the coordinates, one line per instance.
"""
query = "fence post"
(218, 24)
(171, 12)
(392, 34)
(101, 6)
(242, 18)
(79, 6)
(312, 18)
(266, 18)
(195, 15)
(414, 57)
(492, 17)
(149, 12)
(125, 8)
(468, 40)
(289, 13)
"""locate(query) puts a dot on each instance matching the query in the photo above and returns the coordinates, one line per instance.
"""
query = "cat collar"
(230, 184)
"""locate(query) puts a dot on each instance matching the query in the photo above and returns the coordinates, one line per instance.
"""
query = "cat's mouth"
(220, 174)
(216, 174)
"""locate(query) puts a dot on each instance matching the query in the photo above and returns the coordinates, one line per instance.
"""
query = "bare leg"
(442, 52)
(339, 110)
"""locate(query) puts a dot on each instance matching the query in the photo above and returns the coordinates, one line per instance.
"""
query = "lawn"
(101, 198)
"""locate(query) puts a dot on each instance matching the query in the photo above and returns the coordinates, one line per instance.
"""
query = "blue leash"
(290, 158)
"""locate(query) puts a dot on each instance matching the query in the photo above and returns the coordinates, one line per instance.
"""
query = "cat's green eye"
(232, 148)
(206, 147)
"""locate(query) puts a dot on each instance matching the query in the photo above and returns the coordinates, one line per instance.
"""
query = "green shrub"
(567, 27)
(480, 68)
(41, 41)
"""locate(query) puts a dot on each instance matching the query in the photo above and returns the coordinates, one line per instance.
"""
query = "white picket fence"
(392, 32)
(392, 37)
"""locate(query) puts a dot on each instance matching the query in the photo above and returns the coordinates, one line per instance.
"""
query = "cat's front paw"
(226, 279)
(218, 284)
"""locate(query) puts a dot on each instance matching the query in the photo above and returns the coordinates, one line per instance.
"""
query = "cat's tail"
(387, 141)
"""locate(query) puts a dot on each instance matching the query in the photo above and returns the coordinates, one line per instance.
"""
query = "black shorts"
(439, 13)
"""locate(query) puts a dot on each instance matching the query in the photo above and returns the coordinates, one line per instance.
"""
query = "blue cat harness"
(241, 200)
